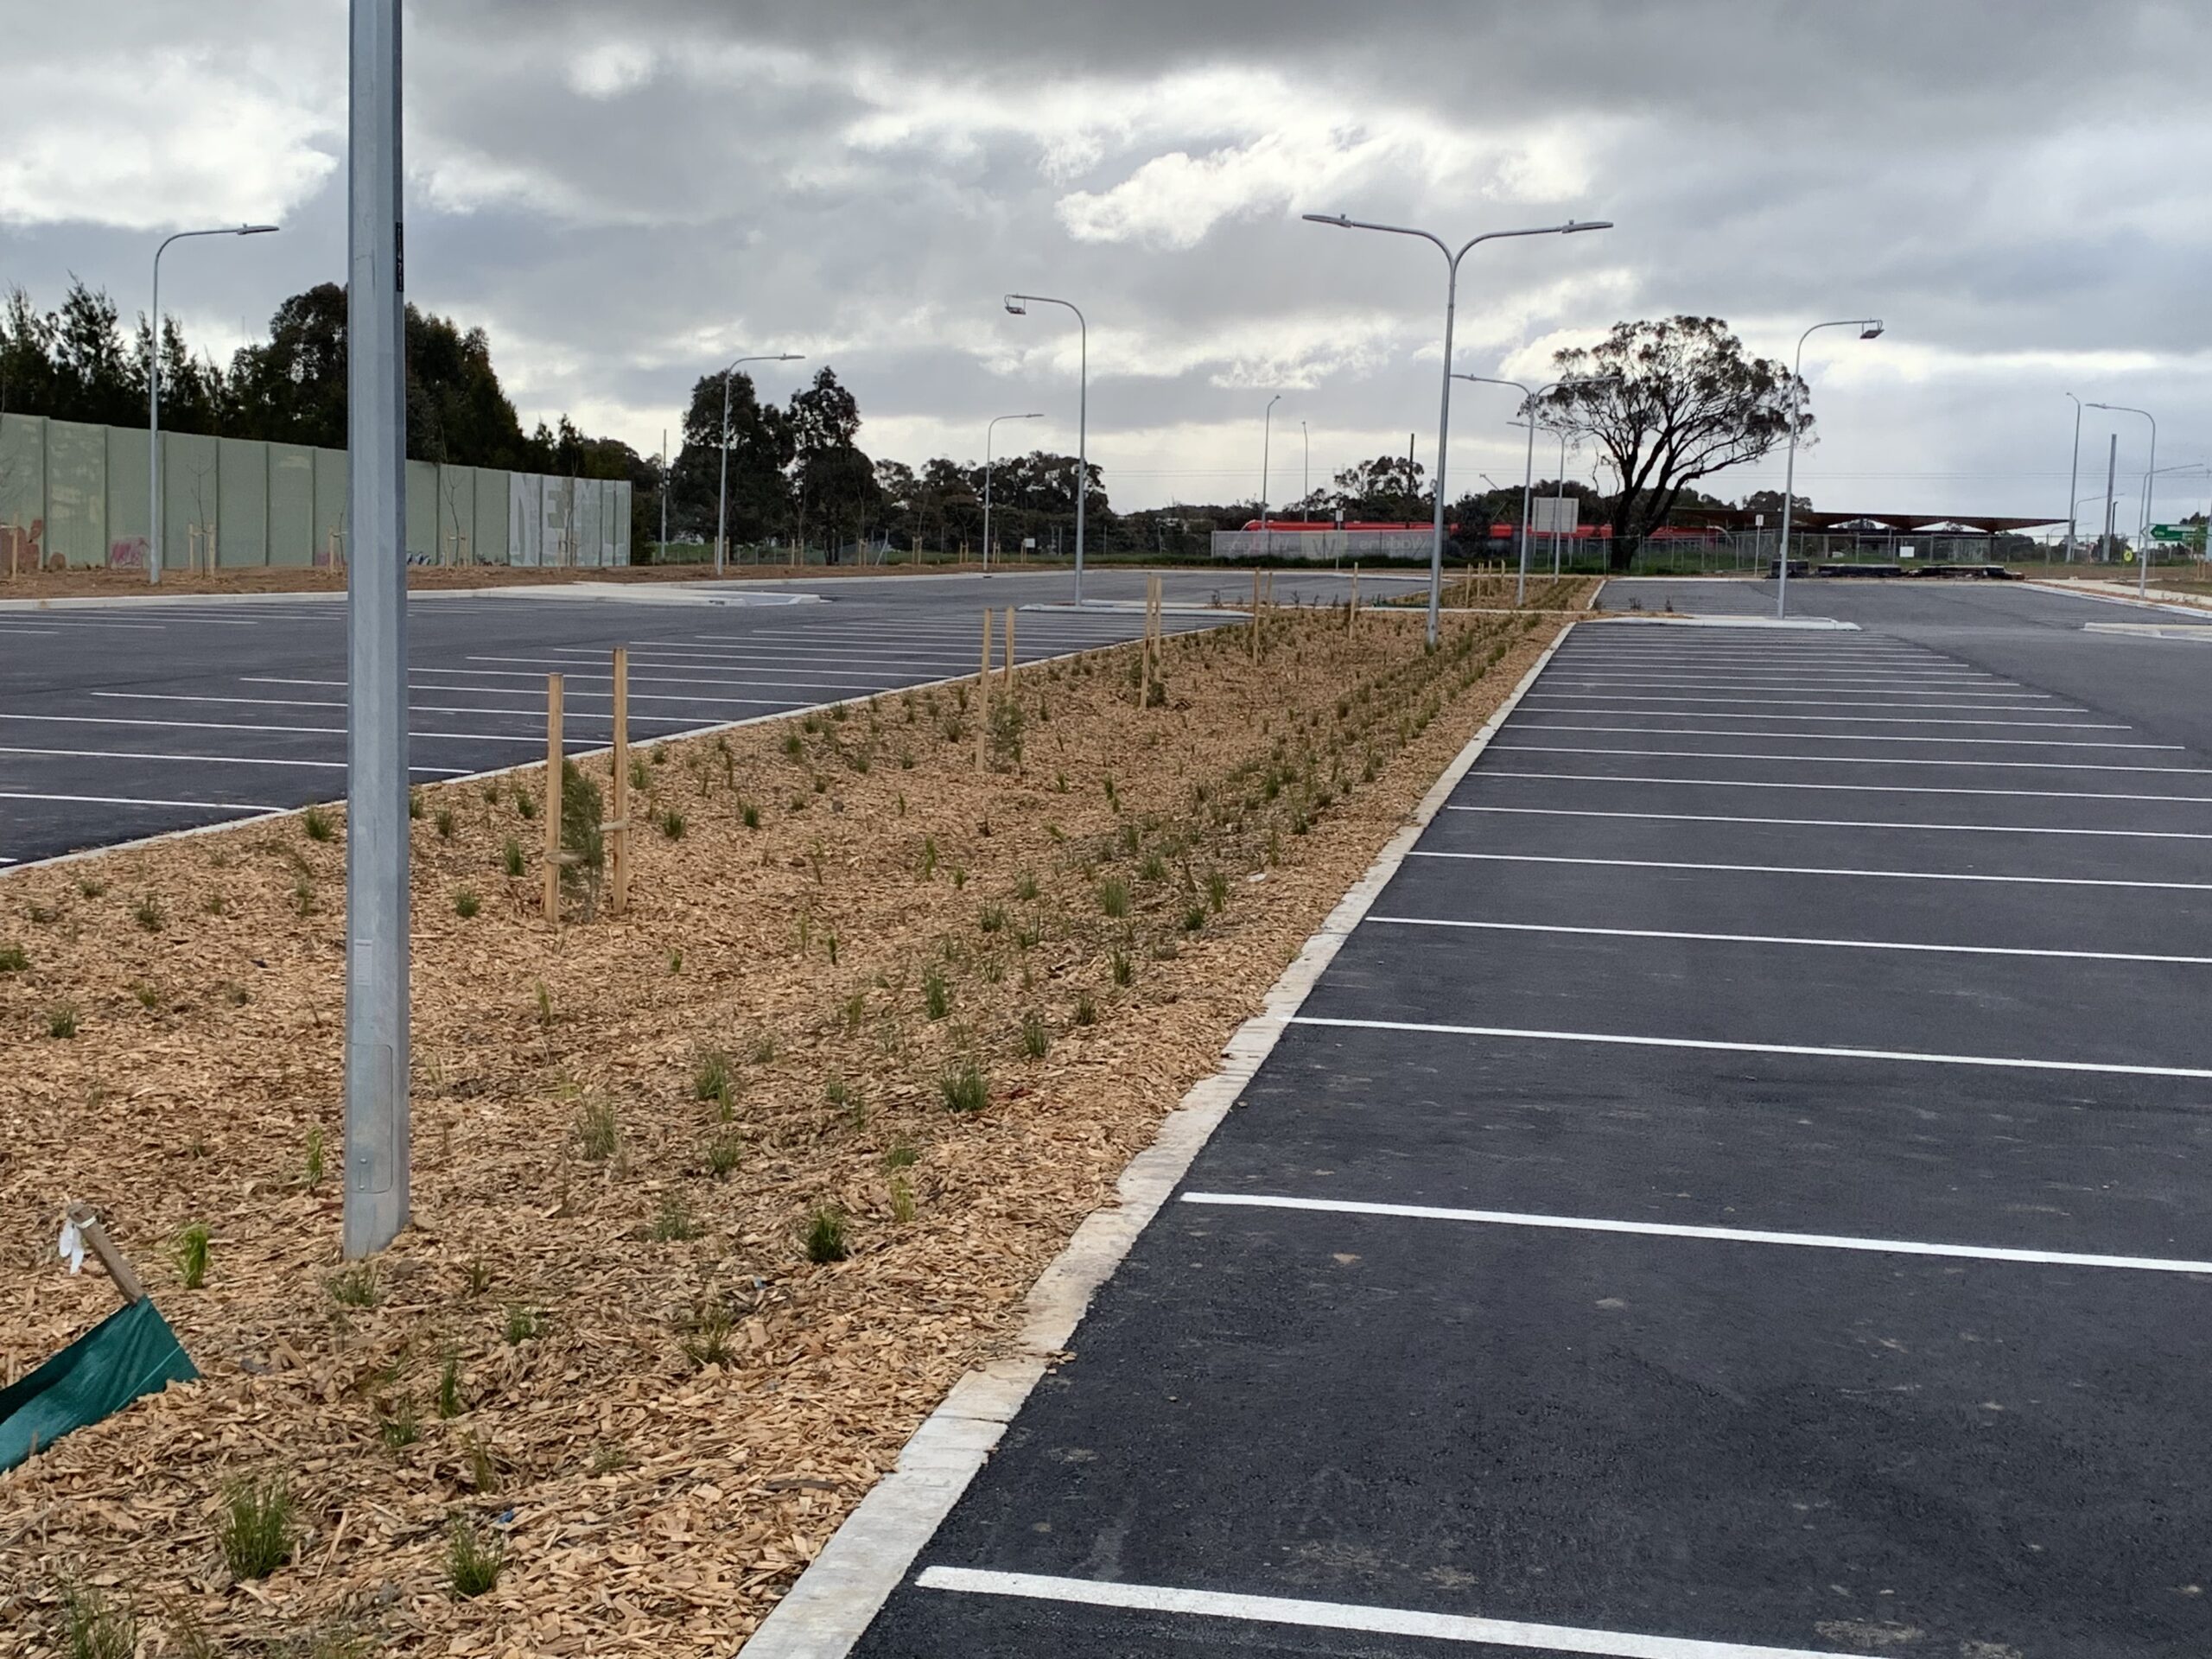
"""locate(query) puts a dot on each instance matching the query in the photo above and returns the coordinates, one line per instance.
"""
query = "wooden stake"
(1351, 614)
(1009, 651)
(87, 1223)
(553, 757)
(983, 696)
(1255, 613)
(619, 829)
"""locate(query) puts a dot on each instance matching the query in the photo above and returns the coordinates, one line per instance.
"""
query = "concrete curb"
(834, 1601)
(2113, 593)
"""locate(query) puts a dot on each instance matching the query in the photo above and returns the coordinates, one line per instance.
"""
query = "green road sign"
(2176, 532)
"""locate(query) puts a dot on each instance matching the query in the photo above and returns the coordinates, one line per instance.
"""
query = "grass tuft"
(825, 1236)
(510, 857)
(148, 914)
(451, 1402)
(1036, 1040)
(963, 1088)
(672, 824)
(192, 1255)
(473, 1559)
(598, 1133)
(14, 959)
(61, 1022)
(255, 1528)
(523, 1324)
(93, 1627)
(707, 1341)
(1114, 897)
(355, 1288)
(675, 1224)
(315, 1156)
(466, 904)
(444, 821)
(1086, 1011)
(723, 1154)
(399, 1428)
(1123, 971)
(936, 995)
(314, 824)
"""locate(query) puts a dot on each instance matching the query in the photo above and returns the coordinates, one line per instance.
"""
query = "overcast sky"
(625, 195)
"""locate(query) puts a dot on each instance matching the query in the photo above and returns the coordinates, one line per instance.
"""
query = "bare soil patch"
(713, 1202)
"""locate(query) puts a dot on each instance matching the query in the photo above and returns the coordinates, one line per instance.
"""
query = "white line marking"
(1838, 737)
(1833, 823)
(1789, 938)
(1857, 759)
(240, 726)
(204, 760)
(1838, 720)
(419, 707)
(1726, 1235)
(1812, 679)
(1813, 703)
(132, 800)
(1343, 1616)
(36, 631)
(536, 691)
(1862, 789)
(1714, 1044)
(1821, 869)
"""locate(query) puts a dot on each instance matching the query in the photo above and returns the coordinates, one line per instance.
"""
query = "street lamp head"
(256, 229)
(1871, 329)
(1015, 307)
(1571, 226)
(1339, 220)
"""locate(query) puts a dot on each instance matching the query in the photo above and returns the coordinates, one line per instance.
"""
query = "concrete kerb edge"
(144, 841)
(839, 1595)
(2111, 593)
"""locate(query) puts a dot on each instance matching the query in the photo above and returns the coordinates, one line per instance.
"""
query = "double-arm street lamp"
(721, 495)
(1450, 304)
(988, 427)
(1018, 305)
(154, 391)
(1869, 328)
(2143, 540)
(1528, 461)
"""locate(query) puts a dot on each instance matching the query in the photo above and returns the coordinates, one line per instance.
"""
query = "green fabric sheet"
(127, 1354)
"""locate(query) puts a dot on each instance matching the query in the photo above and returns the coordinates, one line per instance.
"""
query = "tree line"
(1664, 403)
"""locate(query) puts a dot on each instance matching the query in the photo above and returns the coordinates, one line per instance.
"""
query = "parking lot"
(125, 719)
(1745, 1192)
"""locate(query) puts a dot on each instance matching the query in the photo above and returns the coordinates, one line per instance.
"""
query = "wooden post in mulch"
(1009, 651)
(87, 1223)
(984, 695)
(1351, 611)
(1255, 613)
(617, 829)
(553, 757)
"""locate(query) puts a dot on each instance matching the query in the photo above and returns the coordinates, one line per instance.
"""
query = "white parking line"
(133, 800)
(1826, 737)
(1814, 703)
(538, 691)
(1857, 759)
(308, 731)
(418, 708)
(1714, 1044)
(1791, 938)
(1343, 1615)
(1820, 869)
(1726, 1235)
(1817, 679)
(1833, 823)
(1838, 720)
(1862, 789)
(208, 760)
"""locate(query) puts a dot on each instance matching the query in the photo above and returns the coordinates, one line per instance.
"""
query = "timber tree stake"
(553, 757)
(619, 828)
(984, 695)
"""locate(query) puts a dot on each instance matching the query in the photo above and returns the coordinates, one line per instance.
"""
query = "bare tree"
(1686, 403)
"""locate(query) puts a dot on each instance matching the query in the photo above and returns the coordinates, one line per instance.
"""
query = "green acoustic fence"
(75, 496)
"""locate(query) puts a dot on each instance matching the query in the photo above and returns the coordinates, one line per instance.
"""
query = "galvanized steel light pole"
(988, 428)
(1018, 305)
(1528, 460)
(2074, 479)
(154, 391)
(376, 1113)
(1305, 473)
(721, 497)
(1451, 305)
(2143, 538)
(1267, 429)
(1869, 328)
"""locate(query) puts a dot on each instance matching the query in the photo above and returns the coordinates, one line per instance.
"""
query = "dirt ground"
(870, 1002)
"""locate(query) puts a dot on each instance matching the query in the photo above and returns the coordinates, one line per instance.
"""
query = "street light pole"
(1017, 305)
(1305, 473)
(2150, 471)
(1559, 502)
(154, 392)
(1869, 328)
(1451, 305)
(2074, 479)
(1529, 460)
(988, 428)
(1267, 422)
(664, 493)
(376, 1066)
(722, 494)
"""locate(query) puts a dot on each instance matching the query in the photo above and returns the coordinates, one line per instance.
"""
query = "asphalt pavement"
(128, 718)
(1745, 1192)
